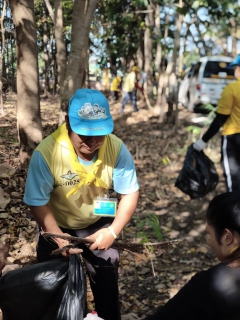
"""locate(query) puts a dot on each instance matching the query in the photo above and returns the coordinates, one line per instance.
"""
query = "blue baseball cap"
(89, 113)
(236, 62)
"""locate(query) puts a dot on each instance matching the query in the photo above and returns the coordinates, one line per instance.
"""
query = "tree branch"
(50, 10)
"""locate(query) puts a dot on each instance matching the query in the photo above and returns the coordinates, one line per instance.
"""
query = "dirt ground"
(145, 280)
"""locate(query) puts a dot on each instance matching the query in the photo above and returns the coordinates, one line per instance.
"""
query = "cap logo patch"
(90, 112)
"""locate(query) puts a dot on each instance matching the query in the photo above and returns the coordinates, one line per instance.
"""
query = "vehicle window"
(218, 69)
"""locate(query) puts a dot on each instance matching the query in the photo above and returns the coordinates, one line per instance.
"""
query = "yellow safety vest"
(115, 84)
(229, 104)
(76, 185)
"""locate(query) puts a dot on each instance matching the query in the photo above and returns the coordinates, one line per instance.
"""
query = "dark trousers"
(115, 95)
(102, 268)
(129, 96)
(230, 159)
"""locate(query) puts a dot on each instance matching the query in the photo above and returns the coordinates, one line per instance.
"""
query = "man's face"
(84, 145)
(237, 72)
(212, 241)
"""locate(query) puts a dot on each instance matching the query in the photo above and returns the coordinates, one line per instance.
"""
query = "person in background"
(143, 79)
(227, 117)
(130, 86)
(155, 83)
(116, 86)
(68, 181)
(214, 293)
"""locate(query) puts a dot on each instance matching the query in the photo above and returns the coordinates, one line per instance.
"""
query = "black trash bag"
(198, 175)
(105, 277)
(52, 290)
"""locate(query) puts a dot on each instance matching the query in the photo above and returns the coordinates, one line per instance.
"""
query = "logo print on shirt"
(69, 175)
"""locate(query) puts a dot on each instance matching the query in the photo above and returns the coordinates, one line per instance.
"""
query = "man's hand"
(199, 145)
(63, 243)
(103, 239)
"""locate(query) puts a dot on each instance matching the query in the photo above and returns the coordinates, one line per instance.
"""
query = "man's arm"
(138, 87)
(46, 221)
(225, 105)
(125, 183)
(126, 209)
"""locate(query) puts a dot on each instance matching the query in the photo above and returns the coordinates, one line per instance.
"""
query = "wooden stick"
(63, 236)
(132, 247)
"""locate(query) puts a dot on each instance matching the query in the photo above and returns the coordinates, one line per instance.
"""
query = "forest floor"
(145, 280)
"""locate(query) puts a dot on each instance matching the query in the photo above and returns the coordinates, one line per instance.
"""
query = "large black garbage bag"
(198, 175)
(52, 290)
(105, 276)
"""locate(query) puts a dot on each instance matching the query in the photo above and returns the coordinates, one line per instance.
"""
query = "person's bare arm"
(46, 221)
(104, 238)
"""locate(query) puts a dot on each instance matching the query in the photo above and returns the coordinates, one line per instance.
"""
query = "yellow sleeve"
(225, 103)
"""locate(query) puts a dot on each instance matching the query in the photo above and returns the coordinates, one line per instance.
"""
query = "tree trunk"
(163, 78)
(83, 11)
(46, 52)
(61, 47)
(174, 72)
(140, 50)
(50, 10)
(158, 57)
(148, 48)
(28, 101)
(2, 56)
(234, 37)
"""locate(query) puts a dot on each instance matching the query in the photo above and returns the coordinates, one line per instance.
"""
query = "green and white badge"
(105, 207)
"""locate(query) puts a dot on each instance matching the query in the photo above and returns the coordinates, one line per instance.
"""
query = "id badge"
(105, 207)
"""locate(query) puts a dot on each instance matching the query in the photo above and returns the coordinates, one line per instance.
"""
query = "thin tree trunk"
(148, 48)
(158, 32)
(83, 11)
(50, 10)
(163, 78)
(13, 60)
(28, 101)
(158, 58)
(234, 37)
(140, 50)
(46, 53)
(2, 55)
(61, 47)
(173, 72)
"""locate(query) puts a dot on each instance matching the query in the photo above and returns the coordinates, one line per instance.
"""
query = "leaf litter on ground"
(146, 280)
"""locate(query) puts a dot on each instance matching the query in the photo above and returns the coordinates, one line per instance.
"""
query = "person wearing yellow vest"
(69, 176)
(130, 86)
(227, 117)
(116, 85)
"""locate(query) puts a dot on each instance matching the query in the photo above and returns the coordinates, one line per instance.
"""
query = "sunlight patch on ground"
(198, 231)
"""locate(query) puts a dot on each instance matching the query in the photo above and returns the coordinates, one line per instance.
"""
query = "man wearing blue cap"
(67, 186)
(227, 117)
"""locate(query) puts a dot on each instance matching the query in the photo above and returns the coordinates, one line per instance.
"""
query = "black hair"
(224, 212)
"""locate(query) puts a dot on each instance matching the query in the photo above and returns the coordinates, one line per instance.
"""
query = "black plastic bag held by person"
(52, 290)
(198, 175)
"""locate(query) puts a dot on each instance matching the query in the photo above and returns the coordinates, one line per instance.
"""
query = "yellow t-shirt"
(229, 104)
(115, 84)
(129, 83)
(76, 211)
